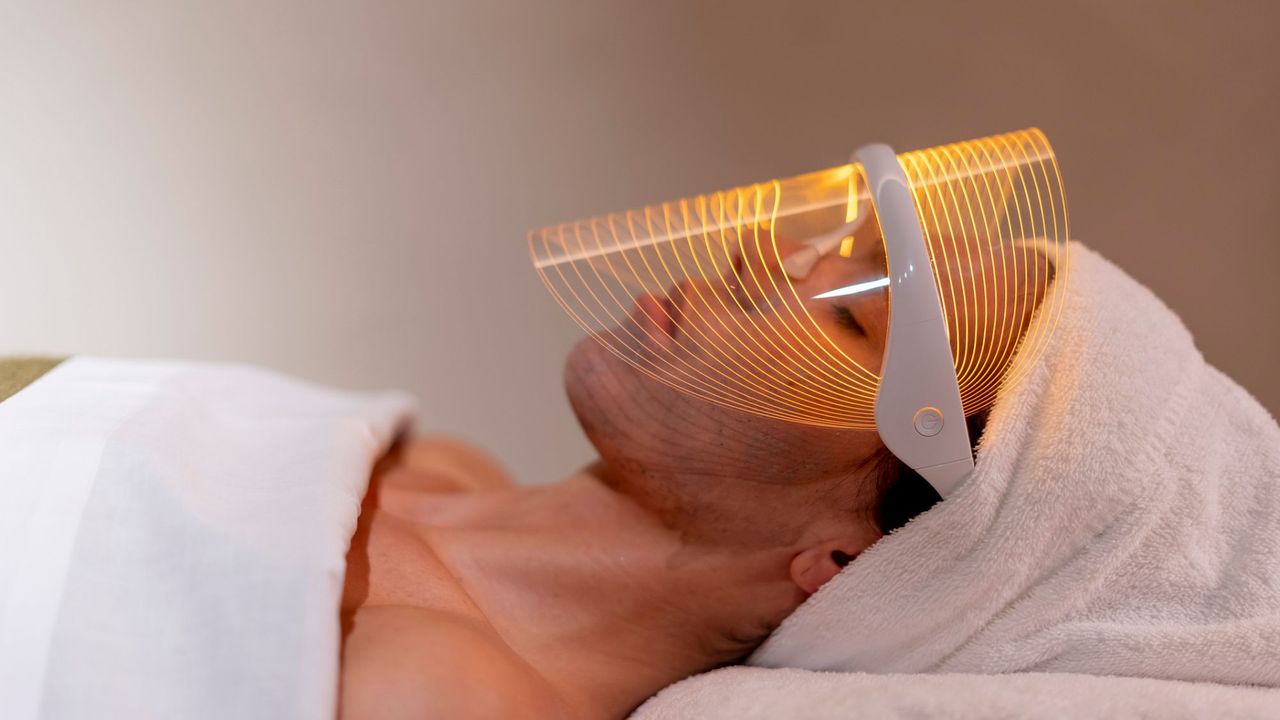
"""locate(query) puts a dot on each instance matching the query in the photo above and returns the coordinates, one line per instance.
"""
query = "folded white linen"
(172, 539)
(747, 693)
(1123, 519)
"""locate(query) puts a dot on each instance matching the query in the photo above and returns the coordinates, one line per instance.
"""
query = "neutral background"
(342, 190)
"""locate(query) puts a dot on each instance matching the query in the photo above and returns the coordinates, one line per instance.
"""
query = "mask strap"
(918, 410)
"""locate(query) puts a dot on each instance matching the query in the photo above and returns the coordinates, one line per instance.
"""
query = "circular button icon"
(928, 421)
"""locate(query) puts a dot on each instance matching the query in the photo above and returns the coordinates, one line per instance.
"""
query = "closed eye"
(844, 317)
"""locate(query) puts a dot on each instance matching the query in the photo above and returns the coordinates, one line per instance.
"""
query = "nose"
(759, 268)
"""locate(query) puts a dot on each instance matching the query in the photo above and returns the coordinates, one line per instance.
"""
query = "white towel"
(1123, 519)
(172, 539)
(748, 693)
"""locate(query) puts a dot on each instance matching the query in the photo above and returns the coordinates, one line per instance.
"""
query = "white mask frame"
(918, 411)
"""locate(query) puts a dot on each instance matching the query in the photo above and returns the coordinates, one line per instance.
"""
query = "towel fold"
(172, 539)
(1123, 519)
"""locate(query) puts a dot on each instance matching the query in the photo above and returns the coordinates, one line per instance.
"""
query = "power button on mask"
(928, 421)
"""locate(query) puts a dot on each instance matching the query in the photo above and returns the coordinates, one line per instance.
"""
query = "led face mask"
(889, 293)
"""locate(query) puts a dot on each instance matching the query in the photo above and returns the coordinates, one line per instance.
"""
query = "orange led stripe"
(749, 335)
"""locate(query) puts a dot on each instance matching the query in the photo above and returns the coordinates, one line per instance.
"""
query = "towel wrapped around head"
(1123, 519)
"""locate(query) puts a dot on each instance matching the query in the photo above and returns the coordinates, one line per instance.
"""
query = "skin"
(697, 530)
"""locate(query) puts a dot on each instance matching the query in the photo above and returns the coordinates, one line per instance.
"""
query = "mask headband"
(918, 411)
(887, 294)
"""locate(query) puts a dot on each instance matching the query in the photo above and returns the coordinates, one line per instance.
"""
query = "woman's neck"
(606, 601)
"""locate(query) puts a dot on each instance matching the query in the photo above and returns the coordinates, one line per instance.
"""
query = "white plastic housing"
(918, 386)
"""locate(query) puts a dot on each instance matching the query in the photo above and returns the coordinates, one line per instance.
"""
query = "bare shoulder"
(414, 662)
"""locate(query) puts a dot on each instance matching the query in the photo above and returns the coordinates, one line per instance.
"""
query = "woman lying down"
(185, 540)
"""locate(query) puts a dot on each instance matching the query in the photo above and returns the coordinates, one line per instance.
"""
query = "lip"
(659, 315)
(675, 305)
(656, 317)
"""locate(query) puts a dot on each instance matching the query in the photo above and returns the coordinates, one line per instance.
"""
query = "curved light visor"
(773, 298)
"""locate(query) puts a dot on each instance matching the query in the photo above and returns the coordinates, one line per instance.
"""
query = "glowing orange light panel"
(772, 298)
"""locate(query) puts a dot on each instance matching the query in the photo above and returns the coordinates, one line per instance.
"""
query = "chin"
(612, 400)
(592, 384)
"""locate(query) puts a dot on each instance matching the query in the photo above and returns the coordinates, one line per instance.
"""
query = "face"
(775, 358)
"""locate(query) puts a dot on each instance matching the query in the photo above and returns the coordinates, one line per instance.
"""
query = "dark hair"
(902, 493)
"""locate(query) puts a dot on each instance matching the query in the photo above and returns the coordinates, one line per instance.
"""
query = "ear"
(813, 567)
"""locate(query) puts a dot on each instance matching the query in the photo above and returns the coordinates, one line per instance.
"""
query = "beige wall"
(341, 190)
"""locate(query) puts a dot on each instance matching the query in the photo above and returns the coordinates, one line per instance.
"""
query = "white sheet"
(172, 539)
